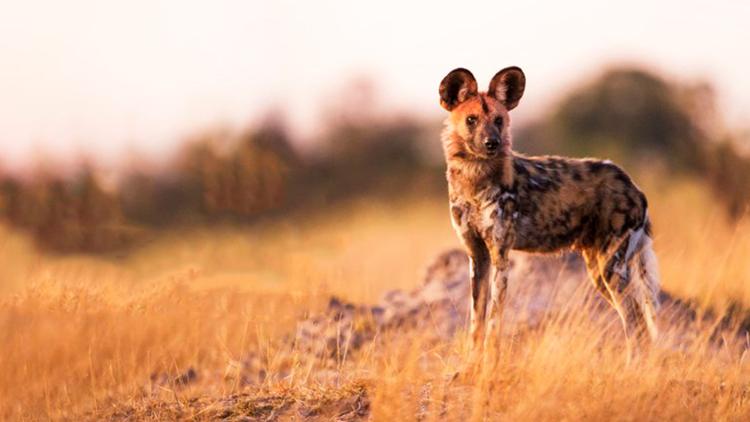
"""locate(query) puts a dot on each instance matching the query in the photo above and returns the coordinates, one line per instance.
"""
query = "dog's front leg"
(498, 290)
(501, 242)
(479, 271)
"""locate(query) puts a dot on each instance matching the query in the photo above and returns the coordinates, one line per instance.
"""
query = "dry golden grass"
(93, 337)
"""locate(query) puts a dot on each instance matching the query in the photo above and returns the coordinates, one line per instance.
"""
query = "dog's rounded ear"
(507, 86)
(456, 87)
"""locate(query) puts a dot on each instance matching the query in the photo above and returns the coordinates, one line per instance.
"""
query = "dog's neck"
(469, 177)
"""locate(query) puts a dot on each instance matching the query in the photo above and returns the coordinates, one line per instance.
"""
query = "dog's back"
(564, 202)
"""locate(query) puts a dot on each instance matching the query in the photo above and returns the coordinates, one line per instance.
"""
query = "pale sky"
(107, 77)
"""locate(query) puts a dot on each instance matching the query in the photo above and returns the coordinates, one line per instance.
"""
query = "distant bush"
(214, 176)
(364, 158)
(65, 214)
(217, 176)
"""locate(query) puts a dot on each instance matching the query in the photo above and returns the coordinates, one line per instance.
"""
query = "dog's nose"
(491, 143)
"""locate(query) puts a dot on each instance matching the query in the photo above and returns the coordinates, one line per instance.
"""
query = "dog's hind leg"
(593, 268)
(625, 273)
(595, 263)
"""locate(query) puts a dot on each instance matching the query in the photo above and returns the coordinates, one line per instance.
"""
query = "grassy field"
(91, 337)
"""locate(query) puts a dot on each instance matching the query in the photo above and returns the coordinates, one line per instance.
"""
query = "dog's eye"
(498, 121)
(471, 120)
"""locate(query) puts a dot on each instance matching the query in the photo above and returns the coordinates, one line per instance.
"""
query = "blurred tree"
(627, 114)
(730, 176)
(252, 179)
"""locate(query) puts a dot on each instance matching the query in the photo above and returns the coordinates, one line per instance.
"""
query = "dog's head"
(479, 120)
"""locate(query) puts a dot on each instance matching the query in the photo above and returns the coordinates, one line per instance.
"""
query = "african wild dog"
(501, 200)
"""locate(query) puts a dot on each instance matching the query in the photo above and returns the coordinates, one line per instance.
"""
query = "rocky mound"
(539, 287)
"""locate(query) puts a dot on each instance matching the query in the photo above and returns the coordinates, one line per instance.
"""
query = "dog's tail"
(644, 270)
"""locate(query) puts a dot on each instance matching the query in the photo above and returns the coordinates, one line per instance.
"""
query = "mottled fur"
(501, 200)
